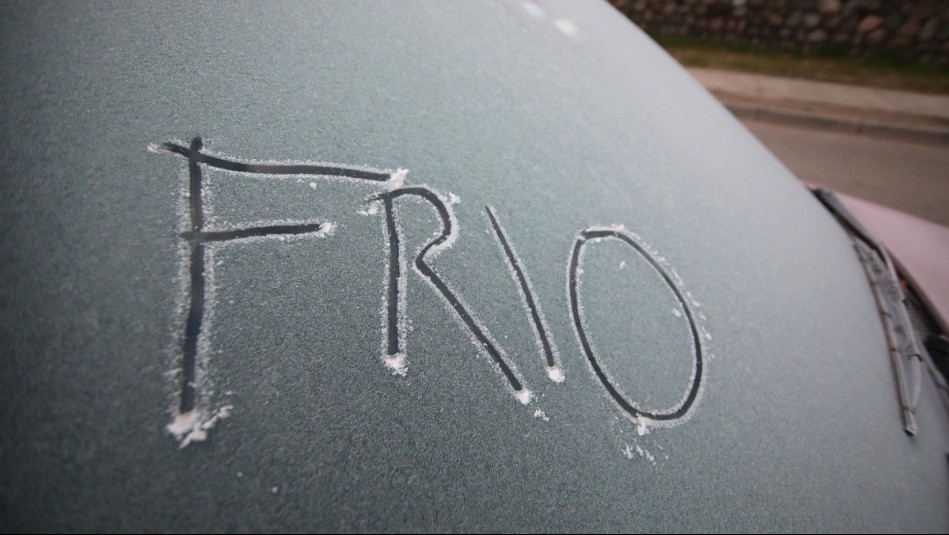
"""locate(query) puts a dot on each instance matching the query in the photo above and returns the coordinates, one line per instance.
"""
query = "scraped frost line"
(642, 418)
(395, 304)
(545, 344)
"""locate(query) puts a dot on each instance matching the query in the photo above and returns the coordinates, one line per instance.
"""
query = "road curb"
(939, 136)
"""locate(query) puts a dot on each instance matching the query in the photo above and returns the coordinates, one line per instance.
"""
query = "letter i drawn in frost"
(531, 305)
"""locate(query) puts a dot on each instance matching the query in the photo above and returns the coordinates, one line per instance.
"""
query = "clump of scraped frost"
(397, 179)
(524, 396)
(705, 334)
(453, 199)
(642, 426)
(542, 415)
(643, 452)
(396, 363)
(631, 451)
(555, 373)
(193, 426)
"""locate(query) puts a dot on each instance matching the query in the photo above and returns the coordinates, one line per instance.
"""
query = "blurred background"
(849, 94)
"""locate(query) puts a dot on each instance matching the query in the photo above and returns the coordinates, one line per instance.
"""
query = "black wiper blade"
(901, 338)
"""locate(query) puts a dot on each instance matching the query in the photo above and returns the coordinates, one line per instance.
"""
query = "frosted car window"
(557, 128)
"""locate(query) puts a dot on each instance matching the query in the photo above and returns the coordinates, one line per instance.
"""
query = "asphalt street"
(912, 177)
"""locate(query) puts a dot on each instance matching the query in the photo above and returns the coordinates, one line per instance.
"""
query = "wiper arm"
(901, 338)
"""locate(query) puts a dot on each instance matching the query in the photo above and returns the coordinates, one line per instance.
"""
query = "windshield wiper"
(901, 338)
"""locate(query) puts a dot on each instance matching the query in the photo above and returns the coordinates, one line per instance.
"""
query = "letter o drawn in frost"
(584, 240)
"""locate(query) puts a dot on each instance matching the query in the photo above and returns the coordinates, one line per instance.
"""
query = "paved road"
(910, 177)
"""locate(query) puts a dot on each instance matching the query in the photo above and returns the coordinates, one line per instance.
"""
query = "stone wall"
(914, 29)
